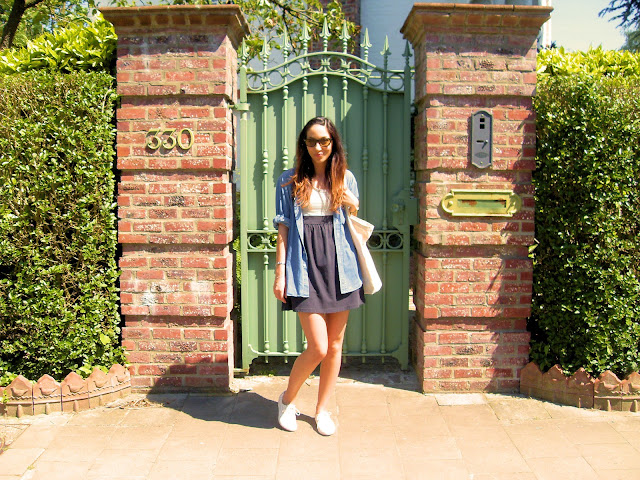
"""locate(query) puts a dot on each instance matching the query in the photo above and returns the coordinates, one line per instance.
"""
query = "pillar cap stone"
(178, 17)
(474, 18)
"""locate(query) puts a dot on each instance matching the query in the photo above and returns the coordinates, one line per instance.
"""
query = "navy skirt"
(322, 267)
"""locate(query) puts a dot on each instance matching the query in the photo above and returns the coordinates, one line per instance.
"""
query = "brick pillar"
(176, 74)
(474, 277)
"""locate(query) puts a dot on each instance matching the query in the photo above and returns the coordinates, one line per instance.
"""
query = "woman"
(317, 272)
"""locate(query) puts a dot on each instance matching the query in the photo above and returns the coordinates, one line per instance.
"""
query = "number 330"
(155, 141)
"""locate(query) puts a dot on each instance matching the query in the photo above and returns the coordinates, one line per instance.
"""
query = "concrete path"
(385, 431)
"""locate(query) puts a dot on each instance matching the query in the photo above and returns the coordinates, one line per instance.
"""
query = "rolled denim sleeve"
(352, 184)
(283, 202)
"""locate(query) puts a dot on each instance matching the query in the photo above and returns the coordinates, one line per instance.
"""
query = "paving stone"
(99, 417)
(360, 395)
(566, 468)
(610, 456)
(316, 469)
(614, 474)
(414, 404)
(60, 470)
(150, 437)
(451, 399)
(308, 444)
(238, 462)
(208, 408)
(86, 449)
(417, 468)
(412, 428)
(590, 433)
(371, 463)
(16, 461)
(354, 417)
(180, 469)
(36, 436)
(239, 436)
(514, 409)
(545, 443)
(367, 437)
(483, 459)
(186, 449)
(123, 463)
(429, 449)
(150, 416)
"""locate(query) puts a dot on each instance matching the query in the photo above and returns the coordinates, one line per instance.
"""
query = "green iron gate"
(371, 108)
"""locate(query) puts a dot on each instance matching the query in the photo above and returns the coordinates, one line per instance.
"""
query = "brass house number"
(168, 139)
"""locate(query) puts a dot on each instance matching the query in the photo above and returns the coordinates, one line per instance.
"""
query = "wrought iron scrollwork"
(385, 240)
(260, 241)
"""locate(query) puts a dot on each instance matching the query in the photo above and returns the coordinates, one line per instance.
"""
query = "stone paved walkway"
(385, 431)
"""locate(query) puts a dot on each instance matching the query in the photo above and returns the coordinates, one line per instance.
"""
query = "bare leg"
(330, 367)
(315, 329)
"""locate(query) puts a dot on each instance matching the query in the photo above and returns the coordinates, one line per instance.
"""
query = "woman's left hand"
(350, 201)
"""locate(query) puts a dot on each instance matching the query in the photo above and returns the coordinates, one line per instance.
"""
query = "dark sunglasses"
(311, 142)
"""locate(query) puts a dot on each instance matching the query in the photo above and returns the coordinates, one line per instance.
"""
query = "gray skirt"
(322, 267)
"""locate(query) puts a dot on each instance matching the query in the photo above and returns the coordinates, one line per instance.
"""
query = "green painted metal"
(481, 203)
(371, 107)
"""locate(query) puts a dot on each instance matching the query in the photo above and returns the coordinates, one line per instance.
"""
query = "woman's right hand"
(279, 288)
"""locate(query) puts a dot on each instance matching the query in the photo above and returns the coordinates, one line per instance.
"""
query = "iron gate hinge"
(240, 107)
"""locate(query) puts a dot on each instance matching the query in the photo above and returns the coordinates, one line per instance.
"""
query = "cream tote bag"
(360, 232)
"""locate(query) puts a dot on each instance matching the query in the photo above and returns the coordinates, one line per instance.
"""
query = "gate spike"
(386, 51)
(366, 45)
(305, 37)
(345, 37)
(325, 34)
(407, 52)
(244, 53)
(286, 44)
(266, 50)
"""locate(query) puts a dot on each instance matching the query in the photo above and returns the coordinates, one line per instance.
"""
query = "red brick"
(192, 358)
(447, 338)
(199, 334)
(167, 333)
(437, 373)
(467, 373)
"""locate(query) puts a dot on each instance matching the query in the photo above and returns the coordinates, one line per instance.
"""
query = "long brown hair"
(335, 169)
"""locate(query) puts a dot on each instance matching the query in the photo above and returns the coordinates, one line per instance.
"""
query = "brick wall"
(351, 9)
(473, 274)
(176, 69)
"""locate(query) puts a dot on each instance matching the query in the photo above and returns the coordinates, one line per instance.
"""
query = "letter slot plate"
(481, 139)
(481, 203)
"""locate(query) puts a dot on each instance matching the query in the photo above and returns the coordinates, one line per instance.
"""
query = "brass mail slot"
(481, 203)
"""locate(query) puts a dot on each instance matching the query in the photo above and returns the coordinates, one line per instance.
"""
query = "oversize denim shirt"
(289, 213)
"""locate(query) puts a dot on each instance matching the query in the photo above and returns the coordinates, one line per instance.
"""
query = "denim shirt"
(289, 213)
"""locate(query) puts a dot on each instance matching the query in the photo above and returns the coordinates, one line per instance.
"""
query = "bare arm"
(350, 202)
(280, 283)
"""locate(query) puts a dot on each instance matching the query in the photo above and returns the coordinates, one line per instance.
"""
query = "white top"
(319, 203)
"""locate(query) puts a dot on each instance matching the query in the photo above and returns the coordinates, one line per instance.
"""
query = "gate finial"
(386, 51)
(325, 34)
(286, 44)
(366, 45)
(407, 54)
(345, 37)
(305, 37)
(244, 54)
(264, 54)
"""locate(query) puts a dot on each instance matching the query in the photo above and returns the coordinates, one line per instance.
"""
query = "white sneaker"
(287, 415)
(324, 424)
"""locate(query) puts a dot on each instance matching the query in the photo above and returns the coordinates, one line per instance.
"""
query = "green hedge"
(58, 273)
(78, 47)
(586, 302)
(593, 62)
